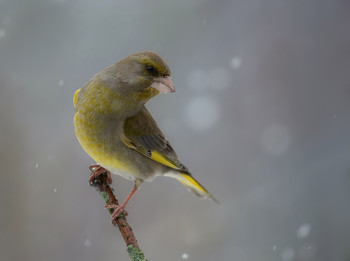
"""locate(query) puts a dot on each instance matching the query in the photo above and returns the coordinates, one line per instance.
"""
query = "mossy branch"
(121, 222)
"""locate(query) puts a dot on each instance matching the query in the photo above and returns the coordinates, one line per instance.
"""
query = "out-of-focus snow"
(303, 231)
(60, 82)
(202, 113)
(184, 256)
(236, 62)
(87, 242)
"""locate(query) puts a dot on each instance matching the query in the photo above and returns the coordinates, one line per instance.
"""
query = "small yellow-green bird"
(114, 127)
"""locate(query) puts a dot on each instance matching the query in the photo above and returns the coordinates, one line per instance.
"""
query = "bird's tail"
(192, 184)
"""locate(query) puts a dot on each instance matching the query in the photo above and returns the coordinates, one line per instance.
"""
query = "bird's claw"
(97, 171)
(118, 210)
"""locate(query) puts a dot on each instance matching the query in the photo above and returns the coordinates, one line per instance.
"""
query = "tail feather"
(192, 184)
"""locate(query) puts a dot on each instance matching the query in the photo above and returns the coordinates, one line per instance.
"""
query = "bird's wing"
(142, 134)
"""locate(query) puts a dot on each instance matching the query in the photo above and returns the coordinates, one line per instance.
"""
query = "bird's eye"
(151, 70)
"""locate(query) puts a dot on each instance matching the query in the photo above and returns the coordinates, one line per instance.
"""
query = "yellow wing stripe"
(131, 145)
(156, 156)
(126, 141)
(75, 97)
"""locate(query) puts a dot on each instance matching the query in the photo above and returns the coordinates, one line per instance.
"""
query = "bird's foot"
(118, 210)
(97, 171)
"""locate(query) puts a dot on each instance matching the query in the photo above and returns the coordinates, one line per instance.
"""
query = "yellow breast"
(88, 132)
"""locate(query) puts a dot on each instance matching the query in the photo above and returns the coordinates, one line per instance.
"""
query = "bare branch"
(121, 222)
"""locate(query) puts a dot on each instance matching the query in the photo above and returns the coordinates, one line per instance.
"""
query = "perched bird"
(114, 127)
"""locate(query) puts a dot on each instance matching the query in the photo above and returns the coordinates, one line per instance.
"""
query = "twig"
(121, 222)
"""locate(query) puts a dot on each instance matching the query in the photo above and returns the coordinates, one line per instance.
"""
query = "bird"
(117, 131)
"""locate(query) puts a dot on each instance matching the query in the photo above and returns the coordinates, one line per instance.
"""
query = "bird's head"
(140, 76)
(131, 82)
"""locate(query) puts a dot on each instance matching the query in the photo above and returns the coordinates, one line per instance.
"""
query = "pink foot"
(120, 208)
(98, 170)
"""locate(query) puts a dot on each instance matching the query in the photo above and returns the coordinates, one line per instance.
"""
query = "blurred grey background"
(261, 117)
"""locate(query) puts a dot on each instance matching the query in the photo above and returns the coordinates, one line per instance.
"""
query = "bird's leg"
(97, 170)
(120, 208)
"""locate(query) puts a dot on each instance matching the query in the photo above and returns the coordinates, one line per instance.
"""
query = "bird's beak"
(163, 84)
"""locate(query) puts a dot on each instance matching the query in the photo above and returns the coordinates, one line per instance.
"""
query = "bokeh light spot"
(236, 62)
(202, 113)
(303, 231)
